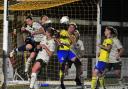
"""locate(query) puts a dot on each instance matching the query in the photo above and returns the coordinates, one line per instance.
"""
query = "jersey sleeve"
(37, 26)
(52, 46)
(81, 45)
(109, 41)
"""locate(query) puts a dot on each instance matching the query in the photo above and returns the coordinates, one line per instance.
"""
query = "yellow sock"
(61, 74)
(102, 81)
(93, 83)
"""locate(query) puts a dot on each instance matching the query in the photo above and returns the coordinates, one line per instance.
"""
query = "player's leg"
(62, 74)
(79, 71)
(98, 75)
(78, 65)
(33, 54)
(67, 66)
(61, 54)
(18, 49)
(35, 70)
(109, 66)
(94, 78)
(30, 58)
(117, 69)
(101, 74)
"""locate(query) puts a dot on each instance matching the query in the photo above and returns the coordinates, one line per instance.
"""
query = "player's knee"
(117, 73)
(62, 66)
(95, 72)
(28, 47)
(36, 67)
(32, 55)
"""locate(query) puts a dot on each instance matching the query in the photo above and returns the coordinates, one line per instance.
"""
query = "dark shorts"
(114, 66)
(65, 55)
(101, 66)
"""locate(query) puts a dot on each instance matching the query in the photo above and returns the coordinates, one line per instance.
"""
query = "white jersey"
(43, 54)
(77, 47)
(35, 27)
(114, 51)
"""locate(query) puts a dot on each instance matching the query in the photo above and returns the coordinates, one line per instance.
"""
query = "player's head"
(77, 34)
(72, 27)
(29, 20)
(44, 18)
(109, 31)
(114, 31)
(50, 32)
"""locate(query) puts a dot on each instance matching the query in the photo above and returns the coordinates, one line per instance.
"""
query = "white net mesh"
(82, 12)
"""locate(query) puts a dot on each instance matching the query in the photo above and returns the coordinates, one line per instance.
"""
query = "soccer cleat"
(78, 82)
(62, 86)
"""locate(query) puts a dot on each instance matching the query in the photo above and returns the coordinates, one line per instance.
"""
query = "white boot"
(36, 85)
(33, 80)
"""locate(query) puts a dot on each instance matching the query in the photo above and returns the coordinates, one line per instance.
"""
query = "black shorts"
(114, 66)
(41, 62)
(70, 63)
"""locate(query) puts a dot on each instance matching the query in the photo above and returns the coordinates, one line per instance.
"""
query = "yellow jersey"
(64, 39)
(104, 54)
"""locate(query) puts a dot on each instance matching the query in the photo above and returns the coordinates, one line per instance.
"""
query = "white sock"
(36, 85)
(27, 64)
(33, 80)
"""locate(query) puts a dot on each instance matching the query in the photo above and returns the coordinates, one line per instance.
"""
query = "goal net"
(82, 12)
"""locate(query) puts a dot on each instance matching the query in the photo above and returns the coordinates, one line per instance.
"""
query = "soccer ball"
(64, 20)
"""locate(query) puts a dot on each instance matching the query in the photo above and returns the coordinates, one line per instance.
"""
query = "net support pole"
(99, 25)
(5, 43)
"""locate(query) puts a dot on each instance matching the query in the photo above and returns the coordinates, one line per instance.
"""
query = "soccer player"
(34, 28)
(103, 59)
(78, 49)
(64, 53)
(37, 31)
(115, 54)
(45, 22)
(47, 48)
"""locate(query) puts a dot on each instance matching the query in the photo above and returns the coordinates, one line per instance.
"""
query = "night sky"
(115, 10)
